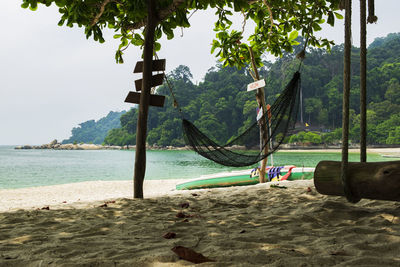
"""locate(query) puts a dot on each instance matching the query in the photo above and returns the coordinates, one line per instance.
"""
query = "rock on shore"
(58, 146)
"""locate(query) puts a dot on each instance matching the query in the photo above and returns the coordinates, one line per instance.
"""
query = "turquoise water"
(28, 168)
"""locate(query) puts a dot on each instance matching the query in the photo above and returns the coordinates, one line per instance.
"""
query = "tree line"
(221, 107)
(94, 132)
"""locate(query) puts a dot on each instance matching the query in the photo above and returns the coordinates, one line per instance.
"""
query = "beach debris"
(309, 189)
(339, 253)
(181, 215)
(184, 205)
(278, 186)
(46, 208)
(243, 231)
(105, 205)
(190, 255)
(195, 195)
(169, 235)
(64, 201)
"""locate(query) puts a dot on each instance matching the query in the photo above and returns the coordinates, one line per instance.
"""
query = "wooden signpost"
(141, 132)
(144, 98)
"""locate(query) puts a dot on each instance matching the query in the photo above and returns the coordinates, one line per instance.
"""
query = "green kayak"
(244, 178)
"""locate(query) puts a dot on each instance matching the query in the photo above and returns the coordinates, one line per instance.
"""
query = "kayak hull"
(239, 180)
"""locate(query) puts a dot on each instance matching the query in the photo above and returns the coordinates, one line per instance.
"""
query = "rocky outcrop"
(58, 146)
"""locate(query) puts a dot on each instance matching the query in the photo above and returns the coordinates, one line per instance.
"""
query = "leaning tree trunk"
(141, 131)
(373, 180)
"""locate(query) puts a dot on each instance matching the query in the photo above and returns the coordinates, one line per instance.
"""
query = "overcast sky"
(52, 78)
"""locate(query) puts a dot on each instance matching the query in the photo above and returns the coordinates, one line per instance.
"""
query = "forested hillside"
(95, 131)
(221, 107)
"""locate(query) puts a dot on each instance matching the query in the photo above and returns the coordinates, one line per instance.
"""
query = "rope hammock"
(279, 120)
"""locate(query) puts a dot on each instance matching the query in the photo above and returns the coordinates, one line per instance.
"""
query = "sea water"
(29, 168)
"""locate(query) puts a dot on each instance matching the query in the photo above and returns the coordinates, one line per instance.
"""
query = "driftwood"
(372, 180)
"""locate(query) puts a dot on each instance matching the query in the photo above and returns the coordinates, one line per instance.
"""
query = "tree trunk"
(263, 123)
(373, 180)
(141, 130)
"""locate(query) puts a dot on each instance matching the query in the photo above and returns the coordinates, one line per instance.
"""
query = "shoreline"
(57, 146)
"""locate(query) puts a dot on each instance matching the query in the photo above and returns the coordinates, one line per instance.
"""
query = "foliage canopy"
(277, 23)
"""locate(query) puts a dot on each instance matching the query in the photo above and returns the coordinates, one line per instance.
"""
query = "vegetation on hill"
(95, 131)
(221, 107)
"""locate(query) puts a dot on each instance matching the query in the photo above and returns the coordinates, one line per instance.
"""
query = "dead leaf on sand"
(169, 235)
(190, 255)
(185, 205)
(181, 215)
(339, 253)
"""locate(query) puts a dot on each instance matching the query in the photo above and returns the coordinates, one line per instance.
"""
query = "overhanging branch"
(161, 15)
(102, 7)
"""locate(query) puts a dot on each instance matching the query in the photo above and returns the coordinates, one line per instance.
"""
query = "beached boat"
(247, 177)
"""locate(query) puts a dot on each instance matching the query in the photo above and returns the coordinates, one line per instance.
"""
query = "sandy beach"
(99, 224)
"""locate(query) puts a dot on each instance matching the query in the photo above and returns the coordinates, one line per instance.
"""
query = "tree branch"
(102, 7)
(161, 15)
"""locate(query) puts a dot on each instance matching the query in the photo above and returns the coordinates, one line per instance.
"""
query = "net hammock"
(278, 122)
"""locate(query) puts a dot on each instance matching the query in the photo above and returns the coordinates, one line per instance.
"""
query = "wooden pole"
(346, 104)
(373, 180)
(263, 127)
(363, 81)
(141, 131)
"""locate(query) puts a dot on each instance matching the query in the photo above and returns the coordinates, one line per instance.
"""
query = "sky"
(52, 78)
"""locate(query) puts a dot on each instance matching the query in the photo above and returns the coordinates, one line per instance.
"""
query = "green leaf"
(331, 19)
(338, 15)
(60, 3)
(25, 5)
(157, 46)
(293, 35)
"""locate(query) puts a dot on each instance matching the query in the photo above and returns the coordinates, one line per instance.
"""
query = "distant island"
(94, 132)
(82, 146)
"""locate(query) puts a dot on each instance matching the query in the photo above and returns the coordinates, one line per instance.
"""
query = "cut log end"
(372, 180)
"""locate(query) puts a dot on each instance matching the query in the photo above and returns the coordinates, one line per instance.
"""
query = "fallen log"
(372, 180)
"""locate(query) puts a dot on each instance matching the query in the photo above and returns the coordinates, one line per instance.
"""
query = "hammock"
(282, 119)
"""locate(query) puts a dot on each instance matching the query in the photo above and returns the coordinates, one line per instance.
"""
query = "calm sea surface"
(28, 168)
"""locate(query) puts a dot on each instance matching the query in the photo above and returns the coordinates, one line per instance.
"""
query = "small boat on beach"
(248, 177)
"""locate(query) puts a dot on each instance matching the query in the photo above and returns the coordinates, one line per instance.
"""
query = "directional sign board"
(157, 65)
(155, 81)
(255, 85)
(155, 100)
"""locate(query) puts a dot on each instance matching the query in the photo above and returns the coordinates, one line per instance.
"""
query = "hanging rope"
(363, 81)
(346, 105)
(371, 12)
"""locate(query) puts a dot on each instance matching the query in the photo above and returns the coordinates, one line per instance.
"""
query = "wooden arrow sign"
(155, 100)
(155, 81)
(157, 65)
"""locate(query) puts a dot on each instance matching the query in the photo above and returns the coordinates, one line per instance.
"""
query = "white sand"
(237, 226)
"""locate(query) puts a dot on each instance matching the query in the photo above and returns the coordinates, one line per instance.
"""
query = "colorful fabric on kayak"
(274, 173)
